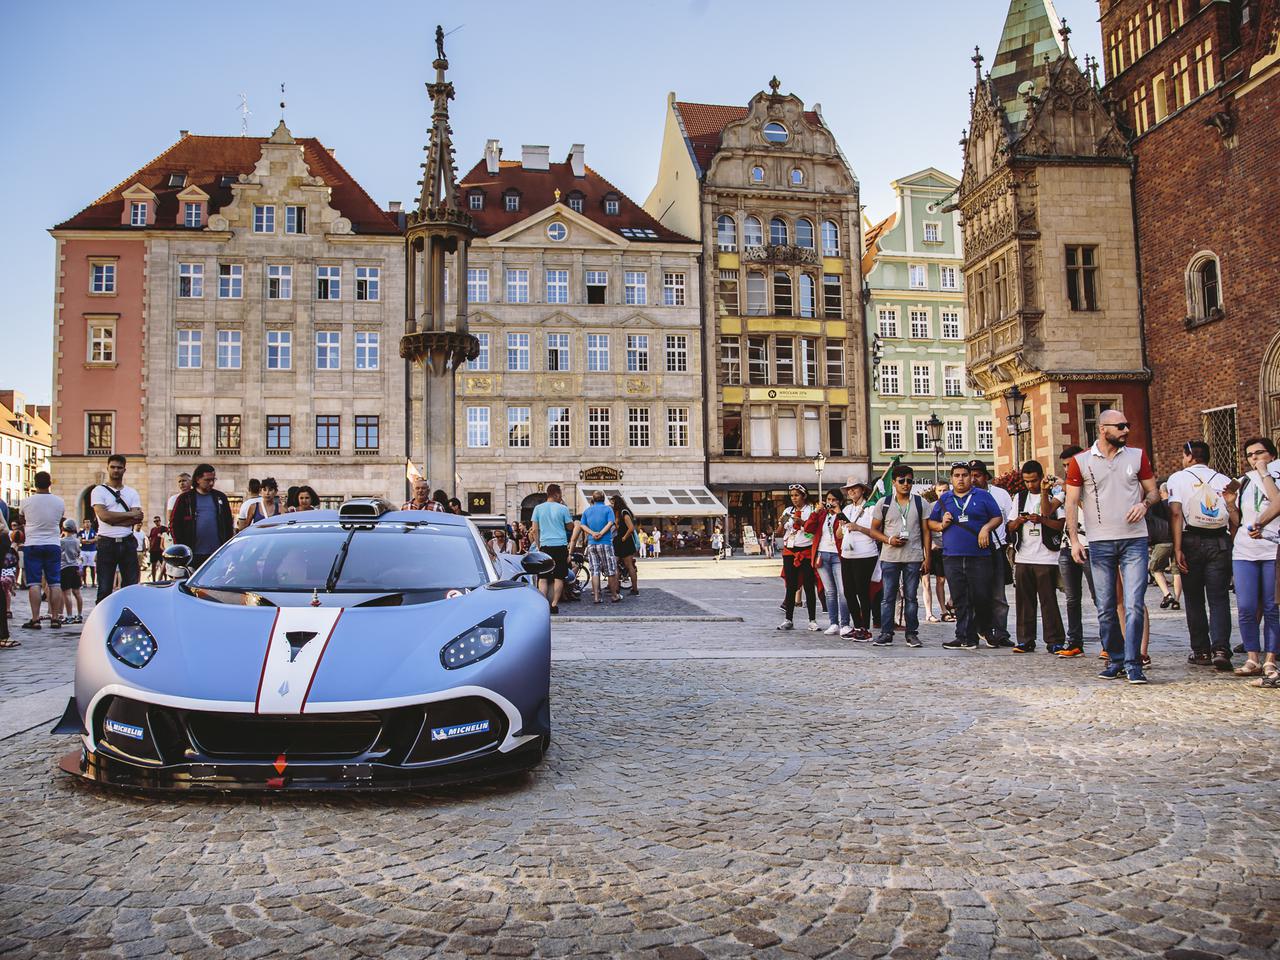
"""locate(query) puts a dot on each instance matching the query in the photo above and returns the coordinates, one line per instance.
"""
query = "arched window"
(804, 233)
(1159, 98)
(1204, 288)
(781, 294)
(752, 232)
(757, 174)
(797, 176)
(726, 233)
(778, 232)
(830, 238)
(808, 296)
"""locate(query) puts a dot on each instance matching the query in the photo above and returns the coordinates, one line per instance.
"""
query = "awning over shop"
(660, 501)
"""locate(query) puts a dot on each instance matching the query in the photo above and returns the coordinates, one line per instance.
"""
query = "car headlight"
(130, 642)
(480, 641)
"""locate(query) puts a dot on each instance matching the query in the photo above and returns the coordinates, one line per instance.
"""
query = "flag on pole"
(884, 486)
(411, 472)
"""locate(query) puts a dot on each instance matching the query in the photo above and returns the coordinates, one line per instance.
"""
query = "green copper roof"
(1030, 31)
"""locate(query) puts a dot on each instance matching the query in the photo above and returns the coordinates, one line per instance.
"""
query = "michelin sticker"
(124, 729)
(459, 730)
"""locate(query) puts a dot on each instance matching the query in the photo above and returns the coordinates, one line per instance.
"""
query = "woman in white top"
(1253, 560)
(858, 555)
(826, 560)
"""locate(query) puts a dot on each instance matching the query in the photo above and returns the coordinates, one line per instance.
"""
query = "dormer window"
(475, 199)
(177, 179)
(511, 201)
(611, 205)
(192, 214)
(138, 213)
(576, 200)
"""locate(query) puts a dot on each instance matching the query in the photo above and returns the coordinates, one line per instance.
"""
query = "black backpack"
(1052, 538)
(1159, 523)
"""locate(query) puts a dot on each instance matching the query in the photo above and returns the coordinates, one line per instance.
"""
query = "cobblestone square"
(714, 789)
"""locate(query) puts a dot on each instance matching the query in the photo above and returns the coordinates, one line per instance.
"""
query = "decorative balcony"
(780, 253)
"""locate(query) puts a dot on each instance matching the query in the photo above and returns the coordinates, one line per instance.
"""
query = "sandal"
(1176, 605)
(8, 643)
(55, 622)
(31, 625)
(932, 619)
(1250, 668)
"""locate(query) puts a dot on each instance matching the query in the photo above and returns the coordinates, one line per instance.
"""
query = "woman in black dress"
(624, 540)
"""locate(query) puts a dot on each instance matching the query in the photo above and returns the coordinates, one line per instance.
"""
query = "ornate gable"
(987, 143)
(1068, 119)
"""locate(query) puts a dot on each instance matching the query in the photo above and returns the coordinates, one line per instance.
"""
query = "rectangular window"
(730, 361)
(477, 284)
(1082, 277)
(517, 351)
(279, 281)
(1204, 66)
(954, 432)
(328, 283)
(187, 436)
(511, 202)
(637, 426)
(557, 286)
(597, 353)
(673, 289)
(611, 207)
(757, 360)
(1091, 410)
(784, 360)
(757, 299)
(99, 432)
(635, 290)
(782, 293)
(890, 379)
(808, 370)
(138, 214)
(788, 438)
(228, 350)
(812, 424)
(328, 350)
(731, 431)
(476, 201)
(920, 325)
(950, 324)
(986, 435)
(835, 363)
(264, 218)
(227, 426)
(888, 322)
(368, 282)
(518, 432)
(230, 281)
(932, 232)
(832, 296)
(190, 281)
(637, 353)
(295, 219)
(575, 204)
(1181, 82)
(367, 432)
(102, 278)
(918, 275)
(952, 380)
(102, 343)
(477, 426)
(922, 379)
(677, 426)
(517, 286)
(481, 362)
(557, 426)
(836, 432)
(191, 214)
(727, 293)
(279, 432)
(950, 278)
(891, 432)
(677, 353)
(761, 432)
(279, 350)
(189, 349)
(1141, 116)
(328, 432)
(923, 441)
(368, 349)
(599, 427)
(597, 286)
(558, 352)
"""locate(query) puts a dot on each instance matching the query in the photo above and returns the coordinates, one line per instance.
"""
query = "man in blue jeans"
(899, 523)
(966, 517)
(1110, 487)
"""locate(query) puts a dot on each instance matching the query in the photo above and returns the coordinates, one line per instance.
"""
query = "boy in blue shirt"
(965, 517)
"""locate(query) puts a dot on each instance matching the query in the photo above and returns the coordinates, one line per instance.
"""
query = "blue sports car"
(366, 647)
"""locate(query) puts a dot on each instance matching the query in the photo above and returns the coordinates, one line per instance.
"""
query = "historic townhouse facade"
(913, 264)
(25, 445)
(1050, 268)
(232, 302)
(1197, 86)
(588, 315)
(775, 204)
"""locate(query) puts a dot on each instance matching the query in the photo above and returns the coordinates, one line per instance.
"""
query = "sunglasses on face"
(1123, 425)
(904, 480)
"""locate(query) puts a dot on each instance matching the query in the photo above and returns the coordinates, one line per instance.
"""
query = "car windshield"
(388, 557)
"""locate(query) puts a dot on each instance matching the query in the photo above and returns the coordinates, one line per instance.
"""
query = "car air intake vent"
(364, 508)
(256, 737)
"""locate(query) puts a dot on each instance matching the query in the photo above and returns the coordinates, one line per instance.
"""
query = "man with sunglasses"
(899, 524)
(1110, 487)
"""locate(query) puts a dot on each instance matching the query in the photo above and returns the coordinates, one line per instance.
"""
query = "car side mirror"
(177, 561)
(537, 563)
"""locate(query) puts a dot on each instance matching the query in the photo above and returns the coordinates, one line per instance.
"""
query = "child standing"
(70, 543)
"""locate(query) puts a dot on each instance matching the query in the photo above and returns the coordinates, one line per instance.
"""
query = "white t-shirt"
(857, 544)
(102, 495)
(1032, 549)
(827, 543)
(793, 539)
(1005, 503)
(246, 508)
(168, 509)
(1252, 501)
(1186, 487)
(43, 513)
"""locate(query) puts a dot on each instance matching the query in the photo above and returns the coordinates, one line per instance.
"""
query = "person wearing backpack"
(1035, 531)
(1202, 548)
(899, 523)
(1253, 561)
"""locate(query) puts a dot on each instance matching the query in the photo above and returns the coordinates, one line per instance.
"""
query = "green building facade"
(916, 321)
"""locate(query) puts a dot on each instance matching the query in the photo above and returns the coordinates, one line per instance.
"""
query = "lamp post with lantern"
(1017, 421)
(819, 464)
(934, 424)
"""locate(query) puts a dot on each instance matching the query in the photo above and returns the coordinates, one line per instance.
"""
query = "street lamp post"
(819, 464)
(1016, 401)
(935, 437)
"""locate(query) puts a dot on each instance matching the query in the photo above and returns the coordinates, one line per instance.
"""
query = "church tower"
(436, 337)
(1054, 320)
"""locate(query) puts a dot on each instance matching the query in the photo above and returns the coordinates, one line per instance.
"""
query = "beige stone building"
(588, 315)
(775, 204)
(1050, 265)
(266, 308)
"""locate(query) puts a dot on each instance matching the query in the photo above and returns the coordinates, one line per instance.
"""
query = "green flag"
(884, 486)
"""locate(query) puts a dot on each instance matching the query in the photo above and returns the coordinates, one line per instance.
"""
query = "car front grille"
(315, 737)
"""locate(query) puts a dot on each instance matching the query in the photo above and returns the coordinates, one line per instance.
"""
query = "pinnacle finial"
(774, 84)
(1065, 33)
(977, 62)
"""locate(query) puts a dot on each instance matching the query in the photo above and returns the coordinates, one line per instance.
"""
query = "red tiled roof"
(869, 241)
(205, 161)
(704, 122)
(537, 192)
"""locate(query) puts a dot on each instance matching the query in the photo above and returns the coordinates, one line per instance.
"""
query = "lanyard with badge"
(964, 507)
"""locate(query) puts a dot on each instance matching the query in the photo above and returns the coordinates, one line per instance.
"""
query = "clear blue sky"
(93, 92)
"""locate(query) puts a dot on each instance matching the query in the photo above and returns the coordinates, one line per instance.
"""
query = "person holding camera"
(1035, 531)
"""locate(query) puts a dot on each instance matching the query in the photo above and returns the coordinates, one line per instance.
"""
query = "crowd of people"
(1106, 524)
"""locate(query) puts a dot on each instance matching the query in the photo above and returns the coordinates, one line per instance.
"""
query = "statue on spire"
(439, 42)
(439, 173)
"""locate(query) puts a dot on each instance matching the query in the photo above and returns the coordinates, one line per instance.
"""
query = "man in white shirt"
(1035, 528)
(42, 550)
(184, 484)
(117, 508)
(999, 634)
(1202, 547)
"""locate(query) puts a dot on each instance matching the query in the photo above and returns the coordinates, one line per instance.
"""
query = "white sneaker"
(813, 626)
(786, 625)
(846, 631)
(832, 630)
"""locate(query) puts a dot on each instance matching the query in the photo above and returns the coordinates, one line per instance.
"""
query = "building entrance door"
(1271, 390)
(527, 505)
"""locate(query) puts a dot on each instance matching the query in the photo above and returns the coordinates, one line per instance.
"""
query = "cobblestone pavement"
(716, 790)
